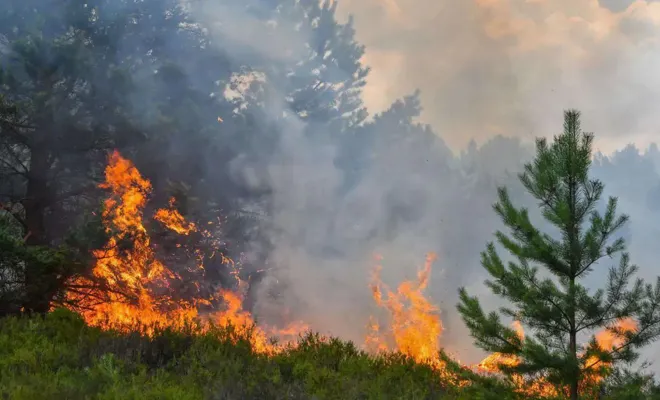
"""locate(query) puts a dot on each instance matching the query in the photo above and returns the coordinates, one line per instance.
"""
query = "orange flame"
(174, 221)
(414, 330)
(491, 363)
(605, 339)
(414, 327)
(130, 287)
(126, 266)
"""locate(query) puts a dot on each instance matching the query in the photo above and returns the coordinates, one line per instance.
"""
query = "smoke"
(486, 67)
(413, 198)
(308, 280)
(509, 67)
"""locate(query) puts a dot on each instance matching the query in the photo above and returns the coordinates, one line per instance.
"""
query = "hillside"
(59, 357)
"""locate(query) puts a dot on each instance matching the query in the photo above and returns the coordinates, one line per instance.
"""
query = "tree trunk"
(575, 259)
(38, 283)
(572, 334)
(574, 386)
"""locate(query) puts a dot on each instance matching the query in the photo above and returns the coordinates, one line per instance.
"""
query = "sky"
(488, 67)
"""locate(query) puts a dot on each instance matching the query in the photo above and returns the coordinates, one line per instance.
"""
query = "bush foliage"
(59, 357)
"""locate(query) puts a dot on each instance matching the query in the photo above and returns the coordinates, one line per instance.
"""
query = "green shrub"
(59, 357)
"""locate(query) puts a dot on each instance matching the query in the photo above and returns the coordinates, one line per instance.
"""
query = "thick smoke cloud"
(510, 66)
(486, 67)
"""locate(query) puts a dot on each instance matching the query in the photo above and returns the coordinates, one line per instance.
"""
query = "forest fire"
(127, 275)
(490, 363)
(414, 330)
(131, 289)
(605, 339)
(608, 340)
(414, 327)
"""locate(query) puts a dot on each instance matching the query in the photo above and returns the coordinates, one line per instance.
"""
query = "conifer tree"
(544, 283)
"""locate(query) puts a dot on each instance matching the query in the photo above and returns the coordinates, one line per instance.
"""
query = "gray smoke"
(510, 67)
(486, 68)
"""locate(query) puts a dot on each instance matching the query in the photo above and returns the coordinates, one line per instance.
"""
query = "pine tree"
(553, 304)
(79, 79)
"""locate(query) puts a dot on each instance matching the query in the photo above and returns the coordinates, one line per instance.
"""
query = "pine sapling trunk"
(575, 376)
(574, 260)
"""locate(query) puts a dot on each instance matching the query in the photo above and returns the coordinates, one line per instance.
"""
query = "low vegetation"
(59, 357)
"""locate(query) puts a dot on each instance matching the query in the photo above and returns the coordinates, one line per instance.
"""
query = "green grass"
(59, 357)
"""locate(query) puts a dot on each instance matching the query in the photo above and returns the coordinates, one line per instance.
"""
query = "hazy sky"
(511, 66)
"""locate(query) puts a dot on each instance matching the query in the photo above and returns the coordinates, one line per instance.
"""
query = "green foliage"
(15, 255)
(58, 356)
(557, 306)
(626, 384)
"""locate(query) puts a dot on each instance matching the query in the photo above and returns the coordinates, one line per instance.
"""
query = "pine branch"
(618, 292)
(17, 160)
(532, 280)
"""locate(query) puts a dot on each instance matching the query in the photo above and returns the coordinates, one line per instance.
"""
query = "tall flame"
(414, 326)
(414, 329)
(130, 288)
(126, 266)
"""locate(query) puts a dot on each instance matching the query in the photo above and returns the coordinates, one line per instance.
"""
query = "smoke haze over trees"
(308, 182)
(509, 66)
